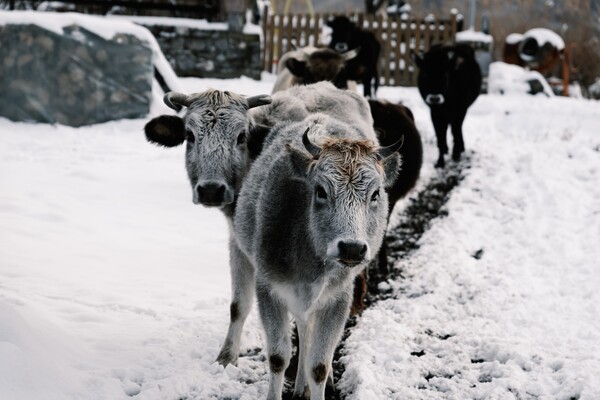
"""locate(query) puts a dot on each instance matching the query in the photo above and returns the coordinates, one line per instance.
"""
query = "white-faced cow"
(311, 215)
(449, 82)
(224, 132)
(392, 122)
(362, 68)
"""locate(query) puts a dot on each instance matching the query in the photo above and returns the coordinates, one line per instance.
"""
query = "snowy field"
(113, 285)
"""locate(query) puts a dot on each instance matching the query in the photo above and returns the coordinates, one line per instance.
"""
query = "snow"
(512, 79)
(105, 27)
(470, 35)
(114, 285)
(543, 35)
(513, 38)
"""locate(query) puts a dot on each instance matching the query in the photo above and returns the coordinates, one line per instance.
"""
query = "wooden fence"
(398, 38)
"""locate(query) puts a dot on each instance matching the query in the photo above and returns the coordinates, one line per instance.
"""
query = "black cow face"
(342, 35)
(434, 75)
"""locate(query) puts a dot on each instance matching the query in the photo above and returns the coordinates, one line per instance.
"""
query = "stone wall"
(75, 79)
(207, 53)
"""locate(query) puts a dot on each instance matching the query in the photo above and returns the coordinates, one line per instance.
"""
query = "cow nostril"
(211, 193)
(341, 47)
(352, 250)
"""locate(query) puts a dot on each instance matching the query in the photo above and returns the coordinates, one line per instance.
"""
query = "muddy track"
(403, 239)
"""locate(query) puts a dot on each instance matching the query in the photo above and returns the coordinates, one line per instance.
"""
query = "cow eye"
(241, 138)
(375, 196)
(189, 136)
(321, 193)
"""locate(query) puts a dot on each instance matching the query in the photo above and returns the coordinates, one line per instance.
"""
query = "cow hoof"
(456, 155)
(440, 163)
(226, 357)
(330, 389)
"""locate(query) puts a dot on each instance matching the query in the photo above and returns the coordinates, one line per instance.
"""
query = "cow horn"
(350, 54)
(312, 148)
(387, 151)
(260, 100)
(176, 100)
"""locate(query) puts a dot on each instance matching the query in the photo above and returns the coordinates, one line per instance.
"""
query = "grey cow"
(310, 216)
(224, 132)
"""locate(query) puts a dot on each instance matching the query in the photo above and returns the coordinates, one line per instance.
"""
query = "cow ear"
(417, 59)
(391, 162)
(295, 66)
(391, 169)
(256, 138)
(300, 161)
(166, 130)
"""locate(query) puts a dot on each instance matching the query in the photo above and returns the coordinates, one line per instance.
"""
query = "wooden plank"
(270, 44)
(427, 36)
(278, 48)
(453, 27)
(417, 49)
(316, 29)
(407, 35)
(399, 38)
(379, 37)
(288, 33)
(307, 21)
(265, 22)
(388, 51)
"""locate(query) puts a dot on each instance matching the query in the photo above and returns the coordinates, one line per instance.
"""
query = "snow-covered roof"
(514, 38)
(543, 35)
(473, 36)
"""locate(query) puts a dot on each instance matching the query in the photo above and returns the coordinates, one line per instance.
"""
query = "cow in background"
(449, 81)
(312, 64)
(363, 68)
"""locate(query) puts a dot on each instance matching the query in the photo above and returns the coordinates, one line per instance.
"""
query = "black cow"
(363, 68)
(449, 82)
(392, 122)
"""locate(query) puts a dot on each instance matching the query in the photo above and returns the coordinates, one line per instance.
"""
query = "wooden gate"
(398, 37)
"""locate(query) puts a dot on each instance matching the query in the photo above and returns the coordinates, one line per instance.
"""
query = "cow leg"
(440, 125)
(275, 320)
(329, 325)
(459, 144)
(242, 289)
(366, 81)
(360, 291)
(301, 390)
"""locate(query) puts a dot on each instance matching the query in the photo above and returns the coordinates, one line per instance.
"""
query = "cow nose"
(341, 47)
(434, 99)
(212, 193)
(352, 251)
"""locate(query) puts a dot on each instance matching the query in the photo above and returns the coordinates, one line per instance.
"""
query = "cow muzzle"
(341, 47)
(349, 252)
(213, 194)
(434, 99)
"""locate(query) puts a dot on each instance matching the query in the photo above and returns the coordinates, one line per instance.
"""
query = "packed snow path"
(113, 285)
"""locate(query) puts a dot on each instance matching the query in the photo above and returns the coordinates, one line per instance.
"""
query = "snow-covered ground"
(113, 285)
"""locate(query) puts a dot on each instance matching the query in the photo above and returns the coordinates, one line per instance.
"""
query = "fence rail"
(398, 38)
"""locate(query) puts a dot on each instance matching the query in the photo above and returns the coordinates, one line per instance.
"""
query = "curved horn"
(176, 100)
(260, 100)
(387, 151)
(350, 54)
(312, 148)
